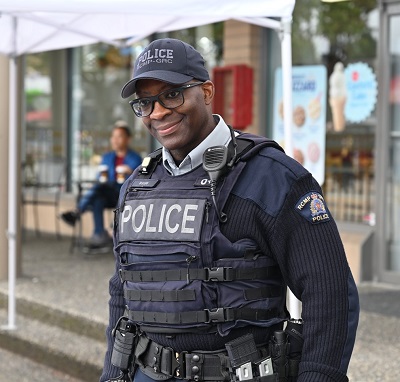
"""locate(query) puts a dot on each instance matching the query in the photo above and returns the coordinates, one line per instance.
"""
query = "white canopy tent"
(42, 25)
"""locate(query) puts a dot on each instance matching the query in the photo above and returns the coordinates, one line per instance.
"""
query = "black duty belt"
(160, 362)
(204, 274)
(208, 316)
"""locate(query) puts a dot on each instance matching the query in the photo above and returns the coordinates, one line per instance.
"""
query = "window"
(99, 72)
(346, 32)
(45, 101)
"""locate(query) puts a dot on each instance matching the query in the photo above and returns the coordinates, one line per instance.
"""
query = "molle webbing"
(205, 274)
(190, 295)
(207, 316)
(160, 295)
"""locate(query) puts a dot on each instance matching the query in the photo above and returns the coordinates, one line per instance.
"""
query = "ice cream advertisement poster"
(309, 84)
(362, 90)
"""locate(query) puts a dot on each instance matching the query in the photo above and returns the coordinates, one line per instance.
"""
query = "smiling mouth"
(163, 131)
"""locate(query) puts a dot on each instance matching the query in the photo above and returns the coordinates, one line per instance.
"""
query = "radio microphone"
(215, 160)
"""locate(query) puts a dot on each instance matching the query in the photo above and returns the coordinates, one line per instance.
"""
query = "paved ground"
(14, 368)
(79, 284)
(377, 350)
(74, 282)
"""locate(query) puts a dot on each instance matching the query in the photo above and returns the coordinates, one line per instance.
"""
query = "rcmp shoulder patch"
(312, 207)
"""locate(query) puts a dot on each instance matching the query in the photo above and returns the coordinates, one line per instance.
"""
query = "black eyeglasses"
(170, 99)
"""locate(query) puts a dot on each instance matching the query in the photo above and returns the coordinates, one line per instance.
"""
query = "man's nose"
(159, 111)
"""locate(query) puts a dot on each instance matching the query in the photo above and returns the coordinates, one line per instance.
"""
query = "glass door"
(393, 260)
(388, 147)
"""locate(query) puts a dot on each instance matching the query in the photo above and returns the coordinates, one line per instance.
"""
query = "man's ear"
(209, 91)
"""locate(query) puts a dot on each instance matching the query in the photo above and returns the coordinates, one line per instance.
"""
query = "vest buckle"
(219, 315)
(218, 274)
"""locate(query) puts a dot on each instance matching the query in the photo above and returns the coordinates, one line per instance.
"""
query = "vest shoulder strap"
(248, 145)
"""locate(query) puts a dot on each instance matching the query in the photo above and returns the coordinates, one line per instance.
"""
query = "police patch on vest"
(312, 207)
(162, 219)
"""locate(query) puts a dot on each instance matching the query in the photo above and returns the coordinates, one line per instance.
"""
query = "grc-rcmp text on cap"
(168, 60)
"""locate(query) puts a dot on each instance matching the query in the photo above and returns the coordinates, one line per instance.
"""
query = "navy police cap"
(168, 60)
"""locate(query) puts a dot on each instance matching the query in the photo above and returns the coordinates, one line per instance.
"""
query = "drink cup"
(103, 173)
(121, 175)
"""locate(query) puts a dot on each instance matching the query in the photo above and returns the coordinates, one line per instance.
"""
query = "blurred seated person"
(114, 169)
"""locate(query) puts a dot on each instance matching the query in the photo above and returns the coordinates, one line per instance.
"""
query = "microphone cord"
(222, 217)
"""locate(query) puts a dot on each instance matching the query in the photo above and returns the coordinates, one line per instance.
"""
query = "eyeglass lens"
(170, 99)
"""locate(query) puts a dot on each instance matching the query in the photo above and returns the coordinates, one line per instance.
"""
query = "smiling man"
(209, 232)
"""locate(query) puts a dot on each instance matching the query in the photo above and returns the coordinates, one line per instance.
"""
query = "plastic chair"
(42, 185)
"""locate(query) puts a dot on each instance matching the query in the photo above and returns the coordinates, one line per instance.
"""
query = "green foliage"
(303, 30)
(31, 94)
(343, 24)
(344, 19)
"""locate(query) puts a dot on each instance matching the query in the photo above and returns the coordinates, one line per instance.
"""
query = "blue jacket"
(132, 159)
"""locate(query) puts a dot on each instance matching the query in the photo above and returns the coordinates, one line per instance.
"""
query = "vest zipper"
(208, 205)
(138, 263)
(189, 260)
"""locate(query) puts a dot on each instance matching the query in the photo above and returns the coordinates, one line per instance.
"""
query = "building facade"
(72, 98)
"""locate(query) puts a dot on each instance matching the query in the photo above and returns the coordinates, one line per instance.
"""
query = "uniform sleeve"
(116, 307)
(310, 253)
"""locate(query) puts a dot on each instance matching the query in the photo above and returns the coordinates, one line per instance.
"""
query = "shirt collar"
(219, 136)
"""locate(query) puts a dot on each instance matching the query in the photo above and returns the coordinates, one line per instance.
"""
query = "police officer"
(209, 232)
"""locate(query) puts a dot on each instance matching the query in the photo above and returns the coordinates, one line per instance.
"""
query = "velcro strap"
(204, 316)
(160, 295)
(205, 274)
(265, 292)
(207, 367)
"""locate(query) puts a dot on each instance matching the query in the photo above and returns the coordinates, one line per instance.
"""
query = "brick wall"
(242, 45)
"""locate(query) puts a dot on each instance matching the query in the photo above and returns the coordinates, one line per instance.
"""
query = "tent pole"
(294, 305)
(12, 190)
(286, 57)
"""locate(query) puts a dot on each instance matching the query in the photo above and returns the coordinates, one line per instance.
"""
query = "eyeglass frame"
(155, 98)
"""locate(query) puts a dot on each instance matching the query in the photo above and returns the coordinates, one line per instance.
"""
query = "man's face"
(119, 140)
(181, 129)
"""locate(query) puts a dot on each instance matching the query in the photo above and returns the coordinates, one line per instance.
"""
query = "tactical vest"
(179, 271)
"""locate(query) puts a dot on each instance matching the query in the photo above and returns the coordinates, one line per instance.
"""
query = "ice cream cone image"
(338, 96)
(314, 107)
